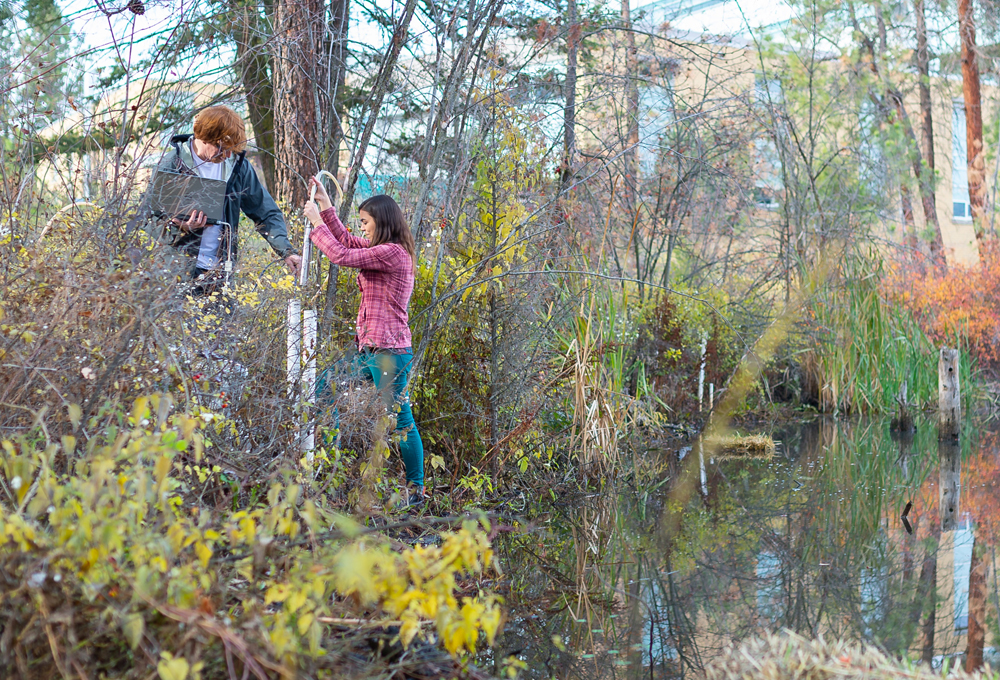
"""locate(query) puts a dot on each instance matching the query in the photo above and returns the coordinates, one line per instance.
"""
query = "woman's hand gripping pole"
(307, 244)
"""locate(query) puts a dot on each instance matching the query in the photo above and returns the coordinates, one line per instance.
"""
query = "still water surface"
(810, 540)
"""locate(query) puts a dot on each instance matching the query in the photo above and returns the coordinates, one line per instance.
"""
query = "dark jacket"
(244, 192)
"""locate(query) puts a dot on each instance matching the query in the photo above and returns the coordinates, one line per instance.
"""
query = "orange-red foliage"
(981, 487)
(963, 301)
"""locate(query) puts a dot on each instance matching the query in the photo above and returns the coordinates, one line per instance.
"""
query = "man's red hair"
(221, 126)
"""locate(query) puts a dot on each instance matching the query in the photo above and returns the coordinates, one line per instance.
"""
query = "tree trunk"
(908, 220)
(301, 68)
(382, 82)
(339, 28)
(252, 62)
(472, 46)
(927, 132)
(925, 181)
(894, 110)
(977, 608)
(973, 120)
(569, 113)
(631, 155)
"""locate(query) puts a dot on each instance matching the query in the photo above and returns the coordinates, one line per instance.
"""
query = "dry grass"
(741, 446)
(787, 656)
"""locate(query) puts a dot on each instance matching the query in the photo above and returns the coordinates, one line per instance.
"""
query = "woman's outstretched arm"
(383, 257)
(340, 232)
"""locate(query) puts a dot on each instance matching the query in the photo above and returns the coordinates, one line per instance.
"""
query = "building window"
(959, 164)
(656, 113)
(768, 183)
(770, 590)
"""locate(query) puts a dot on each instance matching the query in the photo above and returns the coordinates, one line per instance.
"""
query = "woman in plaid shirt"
(386, 266)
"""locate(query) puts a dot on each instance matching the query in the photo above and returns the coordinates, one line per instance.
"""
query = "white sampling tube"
(302, 332)
(294, 345)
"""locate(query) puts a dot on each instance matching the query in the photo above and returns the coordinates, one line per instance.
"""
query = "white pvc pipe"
(701, 466)
(294, 345)
(309, 372)
(701, 371)
(302, 332)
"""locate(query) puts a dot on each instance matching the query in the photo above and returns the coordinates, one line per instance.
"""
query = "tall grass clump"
(863, 347)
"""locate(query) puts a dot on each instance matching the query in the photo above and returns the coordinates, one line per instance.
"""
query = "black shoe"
(414, 498)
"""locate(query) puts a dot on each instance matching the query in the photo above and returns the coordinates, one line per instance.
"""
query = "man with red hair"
(217, 150)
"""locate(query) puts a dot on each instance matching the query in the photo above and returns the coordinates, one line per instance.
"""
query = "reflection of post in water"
(950, 461)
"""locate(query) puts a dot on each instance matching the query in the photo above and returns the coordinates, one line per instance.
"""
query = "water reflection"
(810, 540)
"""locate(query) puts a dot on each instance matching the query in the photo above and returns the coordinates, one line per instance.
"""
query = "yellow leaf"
(204, 553)
(170, 668)
(133, 627)
(295, 601)
(409, 629)
(304, 622)
(162, 468)
(276, 593)
(75, 414)
(139, 410)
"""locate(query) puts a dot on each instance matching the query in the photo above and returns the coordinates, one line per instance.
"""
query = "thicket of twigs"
(157, 512)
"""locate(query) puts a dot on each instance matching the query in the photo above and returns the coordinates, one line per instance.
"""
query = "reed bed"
(864, 347)
(741, 446)
(787, 656)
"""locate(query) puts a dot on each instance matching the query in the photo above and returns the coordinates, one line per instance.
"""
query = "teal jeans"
(391, 374)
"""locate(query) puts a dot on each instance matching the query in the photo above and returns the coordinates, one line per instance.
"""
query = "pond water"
(654, 577)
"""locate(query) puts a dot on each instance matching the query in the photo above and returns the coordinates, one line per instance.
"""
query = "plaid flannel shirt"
(385, 279)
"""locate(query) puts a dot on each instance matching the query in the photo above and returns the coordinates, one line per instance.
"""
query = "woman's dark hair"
(390, 225)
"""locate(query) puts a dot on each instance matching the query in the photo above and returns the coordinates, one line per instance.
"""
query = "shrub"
(117, 563)
(960, 302)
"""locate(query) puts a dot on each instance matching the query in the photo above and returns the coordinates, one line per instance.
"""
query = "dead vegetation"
(787, 656)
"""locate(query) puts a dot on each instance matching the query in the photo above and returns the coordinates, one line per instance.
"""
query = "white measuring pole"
(302, 339)
(701, 370)
(294, 345)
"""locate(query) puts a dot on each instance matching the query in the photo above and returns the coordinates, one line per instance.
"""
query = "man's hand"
(322, 198)
(294, 263)
(198, 220)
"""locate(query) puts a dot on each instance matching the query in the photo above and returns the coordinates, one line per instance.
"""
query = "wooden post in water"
(949, 394)
(949, 424)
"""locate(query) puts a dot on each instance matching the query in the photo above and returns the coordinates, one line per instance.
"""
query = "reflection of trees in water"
(810, 541)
